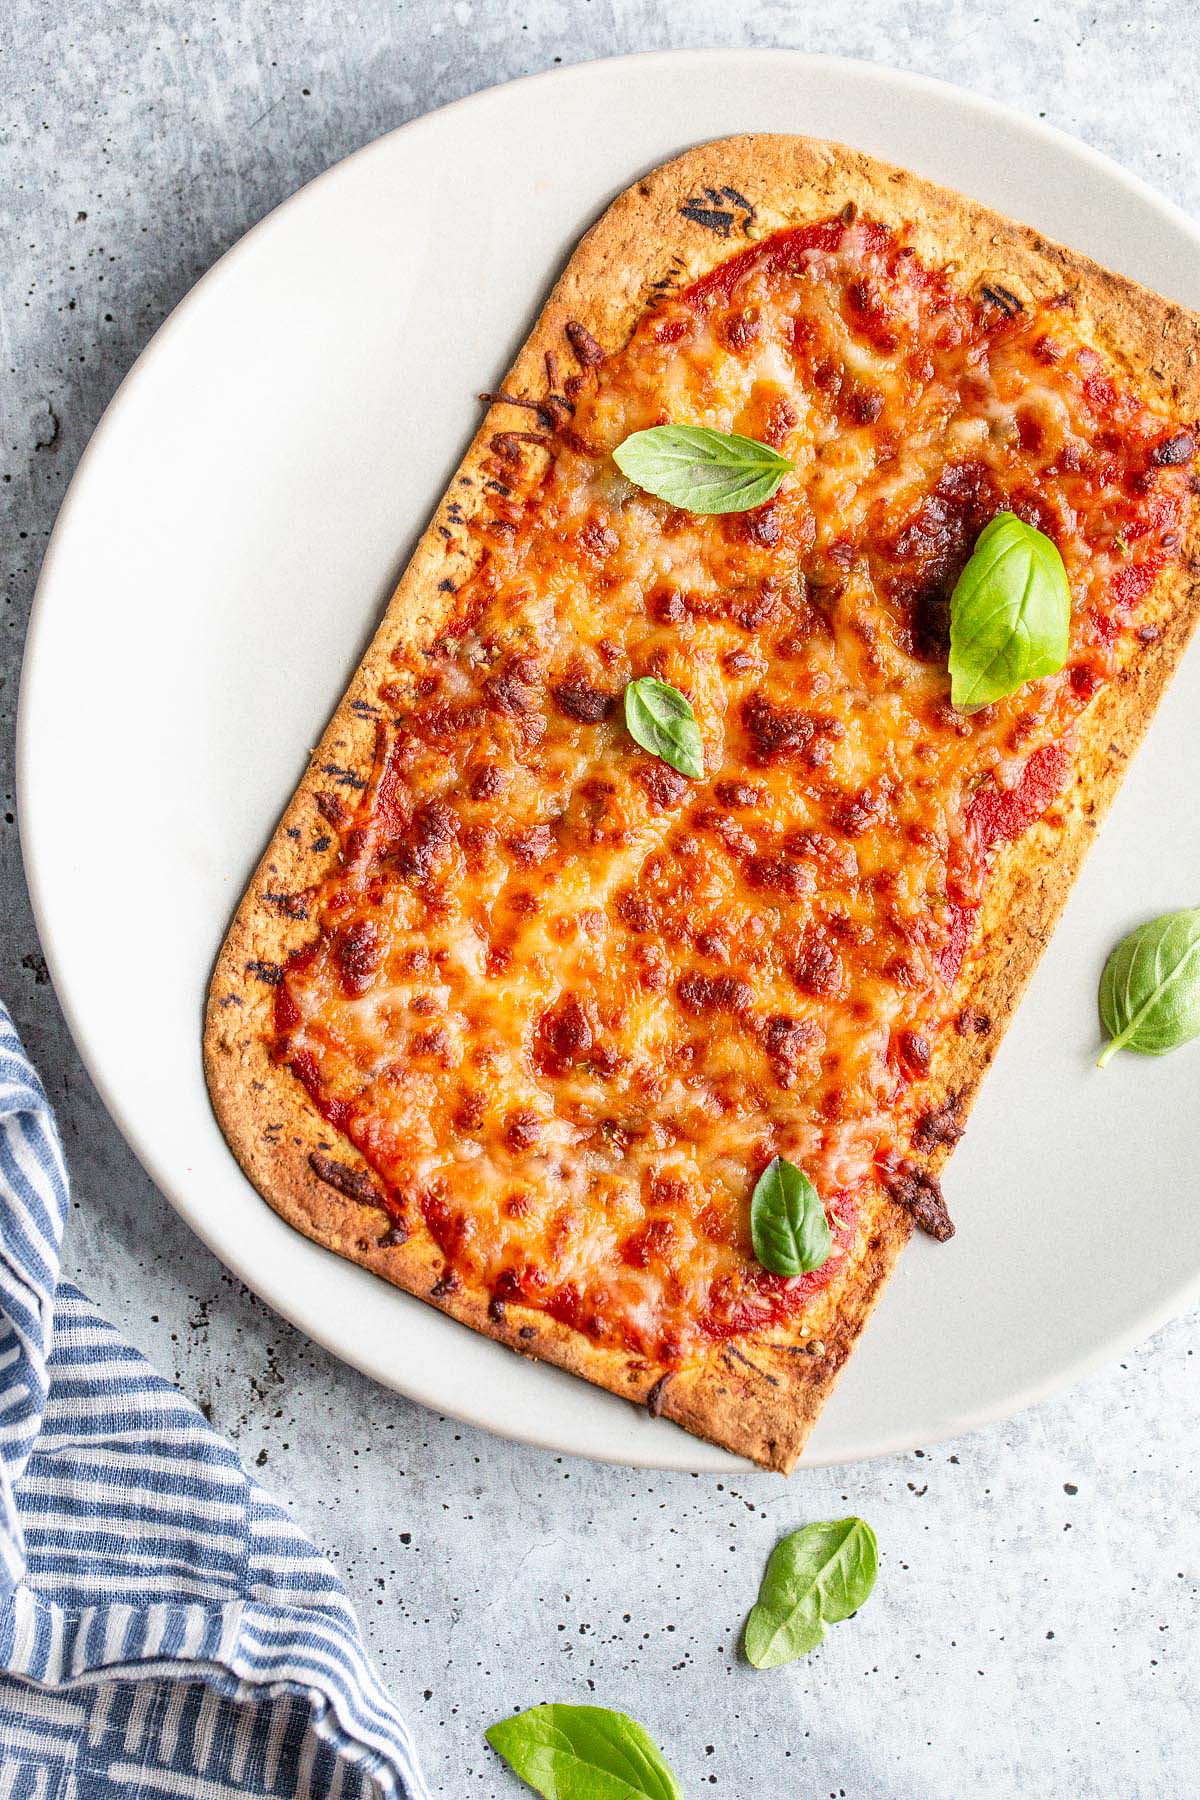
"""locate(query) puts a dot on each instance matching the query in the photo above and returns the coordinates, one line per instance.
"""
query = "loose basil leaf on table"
(1010, 614)
(583, 1753)
(787, 1221)
(661, 720)
(818, 1575)
(700, 470)
(1150, 988)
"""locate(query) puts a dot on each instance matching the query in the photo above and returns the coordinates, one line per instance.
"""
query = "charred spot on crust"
(507, 445)
(718, 210)
(267, 972)
(351, 1183)
(344, 777)
(587, 351)
(940, 1125)
(1001, 297)
(712, 218)
(921, 1196)
(448, 1283)
(542, 409)
(731, 1354)
(656, 1398)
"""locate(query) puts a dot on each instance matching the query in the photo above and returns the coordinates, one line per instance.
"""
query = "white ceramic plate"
(224, 551)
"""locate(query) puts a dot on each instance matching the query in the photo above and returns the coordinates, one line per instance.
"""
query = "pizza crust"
(759, 1401)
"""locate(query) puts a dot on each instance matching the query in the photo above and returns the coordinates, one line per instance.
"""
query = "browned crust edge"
(760, 1401)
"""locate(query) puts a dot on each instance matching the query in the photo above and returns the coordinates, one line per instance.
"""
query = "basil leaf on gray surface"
(818, 1575)
(583, 1753)
(1150, 988)
(661, 720)
(1010, 614)
(787, 1221)
(700, 470)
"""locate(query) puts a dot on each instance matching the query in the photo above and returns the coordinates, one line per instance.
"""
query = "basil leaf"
(787, 1221)
(583, 1753)
(820, 1574)
(1150, 988)
(701, 470)
(661, 720)
(1010, 614)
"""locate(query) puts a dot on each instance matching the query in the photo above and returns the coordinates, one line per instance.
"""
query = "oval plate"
(230, 537)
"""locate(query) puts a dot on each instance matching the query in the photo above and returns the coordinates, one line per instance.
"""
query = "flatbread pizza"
(556, 1027)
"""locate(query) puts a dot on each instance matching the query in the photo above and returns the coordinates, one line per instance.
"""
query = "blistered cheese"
(568, 1003)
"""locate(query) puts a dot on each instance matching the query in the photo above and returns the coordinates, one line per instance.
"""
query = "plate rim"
(696, 1456)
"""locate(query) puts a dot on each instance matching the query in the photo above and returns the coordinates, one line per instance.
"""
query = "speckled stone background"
(1034, 1629)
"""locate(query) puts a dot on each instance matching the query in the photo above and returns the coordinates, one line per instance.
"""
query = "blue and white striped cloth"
(165, 1630)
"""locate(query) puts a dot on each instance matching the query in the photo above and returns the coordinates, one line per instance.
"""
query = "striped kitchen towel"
(165, 1629)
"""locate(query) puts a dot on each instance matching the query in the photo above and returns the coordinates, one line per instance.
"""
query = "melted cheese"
(567, 1003)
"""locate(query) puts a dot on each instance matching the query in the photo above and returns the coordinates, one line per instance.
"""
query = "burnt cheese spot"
(564, 1036)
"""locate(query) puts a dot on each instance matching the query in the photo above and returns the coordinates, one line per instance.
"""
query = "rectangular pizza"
(621, 974)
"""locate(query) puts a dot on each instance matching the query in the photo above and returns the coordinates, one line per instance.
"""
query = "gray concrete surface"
(1034, 1630)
